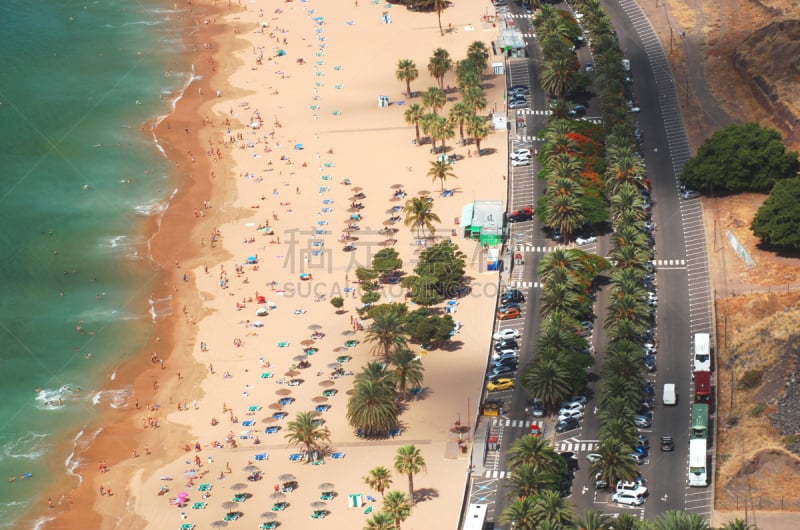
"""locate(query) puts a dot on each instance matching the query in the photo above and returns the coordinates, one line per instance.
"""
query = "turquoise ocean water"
(77, 81)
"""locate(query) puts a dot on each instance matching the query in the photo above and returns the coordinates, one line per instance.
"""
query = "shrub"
(757, 410)
(751, 379)
(337, 302)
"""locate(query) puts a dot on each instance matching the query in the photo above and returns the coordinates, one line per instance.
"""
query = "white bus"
(702, 352)
(476, 517)
(697, 463)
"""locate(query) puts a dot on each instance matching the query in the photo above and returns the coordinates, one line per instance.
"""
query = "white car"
(570, 407)
(522, 152)
(628, 499)
(593, 457)
(517, 162)
(567, 414)
(505, 334)
(634, 109)
(636, 487)
(580, 400)
(585, 240)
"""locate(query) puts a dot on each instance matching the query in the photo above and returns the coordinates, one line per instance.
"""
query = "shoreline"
(129, 476)
(116, 430)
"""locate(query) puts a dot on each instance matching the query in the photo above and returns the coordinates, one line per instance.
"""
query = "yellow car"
(499, 384)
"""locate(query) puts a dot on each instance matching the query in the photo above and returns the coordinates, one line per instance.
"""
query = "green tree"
(409, 462)
(439, 274)
(414, 115)
(474, 97)
(737, 524)
(538, 453)
(740, 158)
(442, 129)
(621, 428)
(526, 480)
(548, 379)
(380, 521)
(520, 513)
(407, 72)
(440, 63)
(387, 262)
(777, 219)
(478, 54)
(379, 479)
(419, 213)
(337, 302)
(477, 130)
(386, 332)
(304, 431)
(442, 170)
(614, 463)
(459, 113)
(591, 520)
(557, 75)
(675, 520)
(434, 98)
(553, 509)
(439, 6)
(373, 407)
(564, 213)
(397, 504)
(408, 370)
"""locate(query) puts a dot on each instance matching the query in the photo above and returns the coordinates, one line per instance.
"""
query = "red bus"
(702, 387)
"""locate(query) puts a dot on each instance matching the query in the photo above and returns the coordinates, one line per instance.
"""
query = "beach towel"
(204, 487)
(272, 429)
(266, 375)
(295, 457)
(337, 455)
(261, 456)
(248, 423)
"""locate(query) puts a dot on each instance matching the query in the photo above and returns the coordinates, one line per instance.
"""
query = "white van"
(669, 398)
(702, 352)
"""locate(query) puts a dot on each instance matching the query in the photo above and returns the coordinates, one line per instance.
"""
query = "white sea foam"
(49, 398)
(41, 522)
(152, 208)
(116, 399)
(29, 445)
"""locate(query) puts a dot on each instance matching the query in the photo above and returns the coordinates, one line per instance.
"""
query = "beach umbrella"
(275, 406)
(299, 358)
(339, 349)
(424, 192)
(319, 505)
(357, 189)
(287, 477)
(292, 373)
(239, 486)
(314, 327)
(250, 468)
(334, 366)
(219, 524)
(268, 419)
(326, 382)
(230, 506)
(307, 342)
(278, 496)
(283, 392)
(326, 486)
(269, 516)
(295, 382)
(183, 494)
(320, 399)
(396, 186)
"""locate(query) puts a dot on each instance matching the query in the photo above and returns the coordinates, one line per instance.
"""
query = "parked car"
(593, 457)
(510, 314)
(505, 354)
(522, 152)
(517, 104)
(581, 400)
(519, 89)
(643, 421)
(571, 407)
(578, 110)
(628, 499)
(637, 457)
(500, 371)
(567, 425)
(537, 407)
(502, 345)
(508, 333)
(689, 194)
(585, 240)
(637, 487)
(513, 295)
(667, 444)
(511, 362)
(501, 383)
(520, 162)
(566, 414)
(650, 363)
(509, 305)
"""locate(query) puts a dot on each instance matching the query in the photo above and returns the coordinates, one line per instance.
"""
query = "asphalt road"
(682, 274)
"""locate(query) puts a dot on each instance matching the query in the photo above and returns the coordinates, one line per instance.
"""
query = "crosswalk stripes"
(525, 138)
(527, 285)
(670, 263)
(535, 112)
(532, 248)
(575, 447)
(516, 15)
(507, 422)
(493, 473)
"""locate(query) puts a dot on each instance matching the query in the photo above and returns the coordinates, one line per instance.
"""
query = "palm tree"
(407, 72)
(373, 371)
(442, 170)
(467, 75)
(526, 480)
(434, 98)
(478, 130)
(458, 115)
(614, 463)
(428, 124)
(569, 259)
(413, 116)
(380, 521)
(397, 505)
(440, 63)
(419, 213)
(628, 521)
(438, 6)
(550, 507)
(738, 524)
(442, 128)
(538, 453)
(520, 514)
(408, 370)
(625, 362)
(591, 520)
(373, 407)
(548, 379)
(629, 308)
(474, 97)
(379, 479)
(306, 432)
(564, 213)
(409, 462)
(387, 332)
(675, 520)
(557, 75)
(561, 298)
(478, 54)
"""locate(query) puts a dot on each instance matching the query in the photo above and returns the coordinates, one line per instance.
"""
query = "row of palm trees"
(396, 505)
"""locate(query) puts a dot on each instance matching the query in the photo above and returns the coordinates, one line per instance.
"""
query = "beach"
(271, 144)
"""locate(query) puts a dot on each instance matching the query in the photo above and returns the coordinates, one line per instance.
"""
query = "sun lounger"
(395, 432)
(204, 487)
(198, 506)
(337, 67)
(368, 509)
(245, 435)
(261, 456)
(318, 515)
(322, 222)
(336, 112)
(416, 390)
(279, 506)
(286, 400)
(317, 462)
(322, 408)
(241, 497)
(327, 495)
(370, 498)
(350, 343)
(279, 415)
(337, 455)
(266, 375)
(323, 189)
(187, 526)
(248, 423)
(232, 516)
(343, 358)
(318, 422)
(295, 457)
(327, 201)
(283, 344)
(268, 526)
(316, 252)
(330, 392)
(272, 429)
(326, 177)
